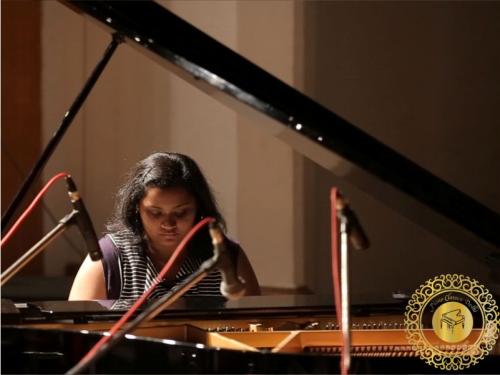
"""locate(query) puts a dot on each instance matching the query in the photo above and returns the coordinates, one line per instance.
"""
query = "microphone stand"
(352, 232)
(344, 291)
(41, 245)
(155, 308)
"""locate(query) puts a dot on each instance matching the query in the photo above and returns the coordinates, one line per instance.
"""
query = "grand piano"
(264, 334)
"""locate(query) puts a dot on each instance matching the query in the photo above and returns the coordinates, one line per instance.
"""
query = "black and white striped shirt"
(129, 271)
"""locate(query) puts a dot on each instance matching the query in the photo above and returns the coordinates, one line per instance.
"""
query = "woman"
(164, 196)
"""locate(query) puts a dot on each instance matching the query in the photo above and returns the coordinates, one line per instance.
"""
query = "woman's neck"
(160, 258)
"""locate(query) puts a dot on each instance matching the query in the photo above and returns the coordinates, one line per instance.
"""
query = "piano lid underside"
(322, 136)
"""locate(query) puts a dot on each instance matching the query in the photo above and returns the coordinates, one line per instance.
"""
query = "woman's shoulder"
(234, 249)
(245, 269)
(106, 244)
(122, 237)
(232, 243)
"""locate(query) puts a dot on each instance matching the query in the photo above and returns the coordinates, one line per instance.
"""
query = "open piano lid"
(306, 126)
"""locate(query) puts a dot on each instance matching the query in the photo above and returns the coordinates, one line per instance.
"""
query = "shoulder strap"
(111, 265)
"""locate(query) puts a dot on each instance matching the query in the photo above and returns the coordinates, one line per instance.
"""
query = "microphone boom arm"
(41, 245)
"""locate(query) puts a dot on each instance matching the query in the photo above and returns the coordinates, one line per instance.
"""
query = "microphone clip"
(232, 286)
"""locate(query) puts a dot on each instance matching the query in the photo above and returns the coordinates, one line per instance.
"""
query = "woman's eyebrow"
(183, 204)
(175, 207)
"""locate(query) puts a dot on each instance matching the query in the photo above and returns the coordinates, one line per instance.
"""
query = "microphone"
(232, 286)
(357, 235)
(83, 221)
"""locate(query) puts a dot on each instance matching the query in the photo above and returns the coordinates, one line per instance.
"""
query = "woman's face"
(167, 216)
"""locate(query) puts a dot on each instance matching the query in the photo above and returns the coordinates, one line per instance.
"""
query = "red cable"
(30, 208)
(335, 255)
(93, 351)
(336, 267)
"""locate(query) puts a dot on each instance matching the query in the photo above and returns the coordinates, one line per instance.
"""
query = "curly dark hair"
(161, 170)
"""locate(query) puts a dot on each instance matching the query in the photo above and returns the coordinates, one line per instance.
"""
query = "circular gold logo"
(452, 322)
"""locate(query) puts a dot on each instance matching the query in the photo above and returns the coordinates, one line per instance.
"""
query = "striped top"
(129, 271)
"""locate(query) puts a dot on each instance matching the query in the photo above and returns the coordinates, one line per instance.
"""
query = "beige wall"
(63, 71)
(270, 191)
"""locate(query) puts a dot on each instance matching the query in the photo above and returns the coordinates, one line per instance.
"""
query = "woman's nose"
(169, 222)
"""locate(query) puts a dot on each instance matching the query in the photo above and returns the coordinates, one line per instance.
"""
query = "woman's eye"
(180, 214)
(155, 213)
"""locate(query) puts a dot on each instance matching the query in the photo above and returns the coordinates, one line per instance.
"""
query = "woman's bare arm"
(89, 282)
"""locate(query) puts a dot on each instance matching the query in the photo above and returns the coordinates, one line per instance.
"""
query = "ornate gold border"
(461, 357)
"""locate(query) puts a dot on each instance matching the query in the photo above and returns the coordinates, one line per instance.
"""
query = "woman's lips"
(170, 236)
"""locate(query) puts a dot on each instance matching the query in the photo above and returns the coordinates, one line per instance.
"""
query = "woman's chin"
(169, 244)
